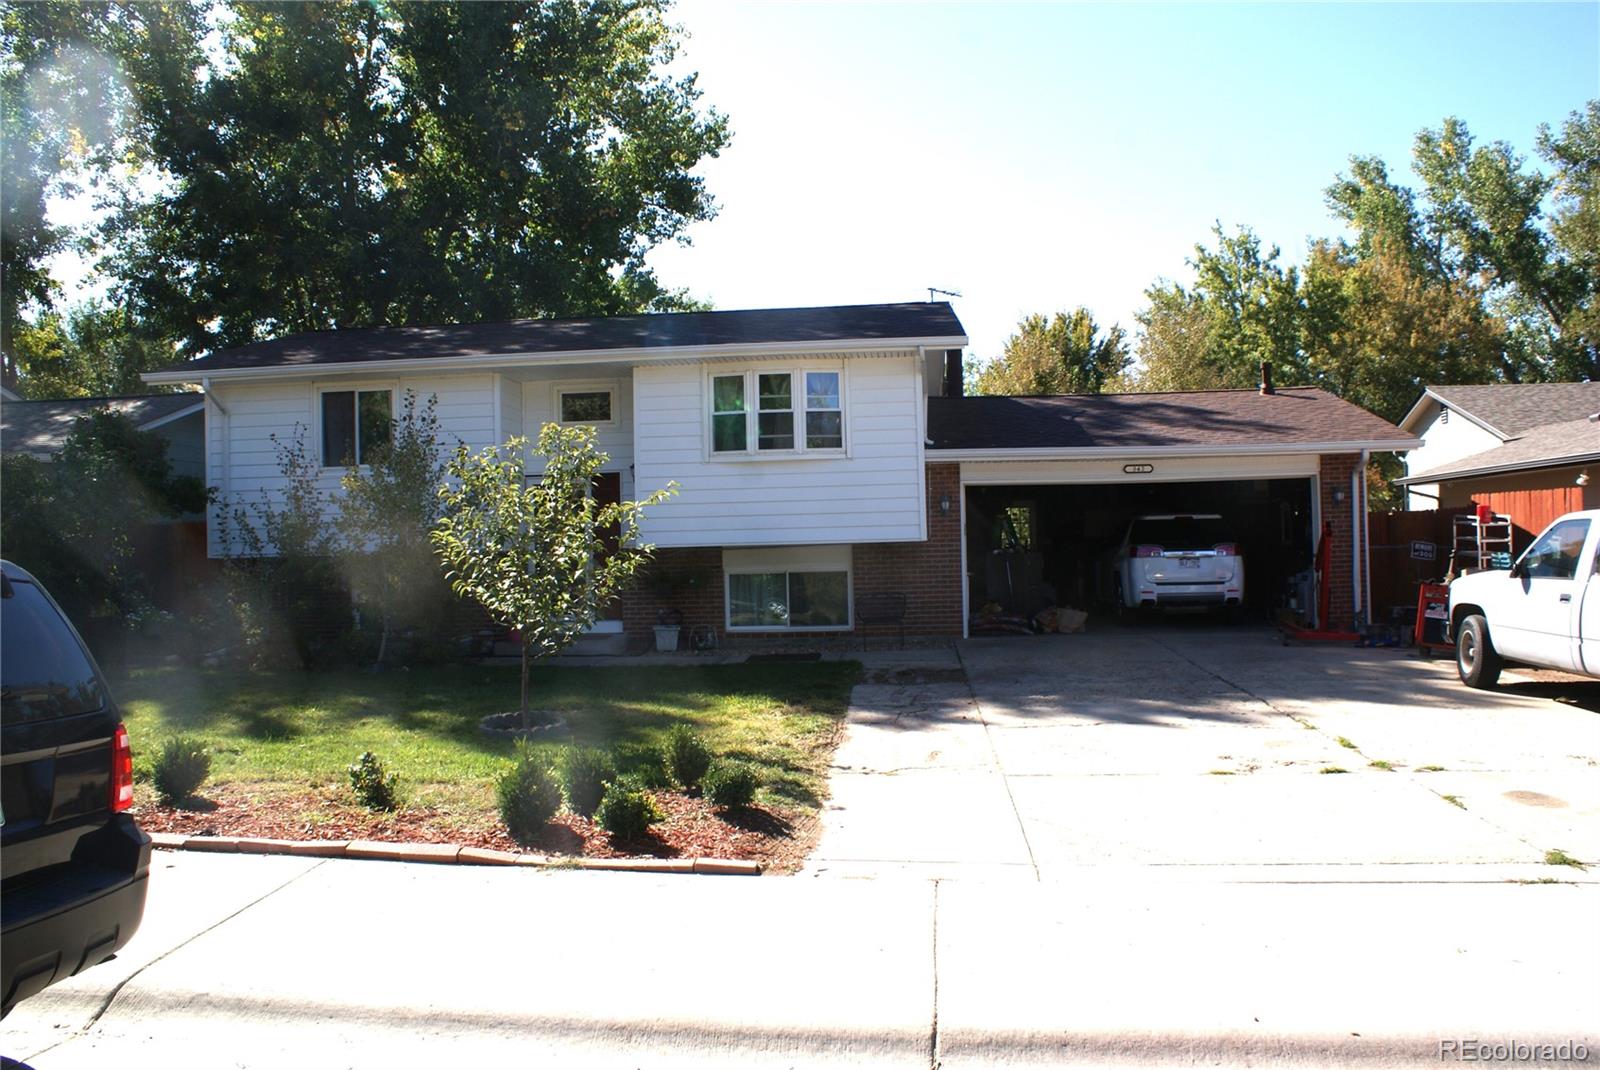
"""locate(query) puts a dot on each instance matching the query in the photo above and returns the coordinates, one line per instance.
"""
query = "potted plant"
(669, 625)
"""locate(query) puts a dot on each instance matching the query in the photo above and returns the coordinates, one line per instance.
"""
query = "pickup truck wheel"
(1476, 659)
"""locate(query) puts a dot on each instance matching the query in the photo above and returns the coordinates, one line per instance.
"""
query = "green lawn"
(302, 729)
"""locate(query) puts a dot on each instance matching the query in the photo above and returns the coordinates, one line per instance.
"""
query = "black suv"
(73, 866)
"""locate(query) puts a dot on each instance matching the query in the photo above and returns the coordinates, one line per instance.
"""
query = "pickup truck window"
(43, 672)
(1555, 555)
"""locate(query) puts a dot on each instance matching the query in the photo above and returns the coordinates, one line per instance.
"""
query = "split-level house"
(822, 455)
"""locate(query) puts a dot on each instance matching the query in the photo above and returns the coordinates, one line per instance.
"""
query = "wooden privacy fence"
(1400, 545)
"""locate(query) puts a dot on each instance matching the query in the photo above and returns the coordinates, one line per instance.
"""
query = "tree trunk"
(383, 643)
(527, 721)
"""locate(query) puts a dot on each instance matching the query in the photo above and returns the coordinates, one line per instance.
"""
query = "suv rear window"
(1182, 533)
(44, 672)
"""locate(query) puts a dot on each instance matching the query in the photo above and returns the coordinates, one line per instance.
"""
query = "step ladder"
(1482, 541)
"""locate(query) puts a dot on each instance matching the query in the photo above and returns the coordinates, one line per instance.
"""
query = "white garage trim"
(1162, 469)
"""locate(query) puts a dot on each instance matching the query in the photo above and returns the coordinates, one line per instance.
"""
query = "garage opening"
(1039, 545)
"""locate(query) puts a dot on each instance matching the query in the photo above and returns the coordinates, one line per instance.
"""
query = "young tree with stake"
(539, 555)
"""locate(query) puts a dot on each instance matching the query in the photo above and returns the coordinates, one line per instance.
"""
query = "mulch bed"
(693, 827)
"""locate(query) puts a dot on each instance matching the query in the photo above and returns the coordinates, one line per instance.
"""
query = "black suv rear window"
(44, 672)
(1182, 533)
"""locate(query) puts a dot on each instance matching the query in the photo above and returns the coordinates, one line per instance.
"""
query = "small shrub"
(627, 810)
(374, 785)
(687, 756)
(730, 784)
(642, 763)
(181, 766)
(585, 772)
(529, 795)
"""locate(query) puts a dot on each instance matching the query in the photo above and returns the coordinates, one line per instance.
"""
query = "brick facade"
(1336, 469)
(928, 573)
(687, 579)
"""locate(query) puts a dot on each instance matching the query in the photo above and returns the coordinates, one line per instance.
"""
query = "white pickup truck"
(1544, 611)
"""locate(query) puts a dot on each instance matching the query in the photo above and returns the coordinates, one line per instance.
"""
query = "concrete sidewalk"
(276, 962)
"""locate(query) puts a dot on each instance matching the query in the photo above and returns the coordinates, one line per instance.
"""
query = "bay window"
(759, 412)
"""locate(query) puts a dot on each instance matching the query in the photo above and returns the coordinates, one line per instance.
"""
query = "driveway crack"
(933, 1032)
(999, 768)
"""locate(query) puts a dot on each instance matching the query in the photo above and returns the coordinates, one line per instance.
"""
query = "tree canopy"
(271, 168)
(1064, 354)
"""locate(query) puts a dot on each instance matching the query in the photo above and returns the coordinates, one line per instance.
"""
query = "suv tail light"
(1226, 549)
(1147, 551)
(121, 771)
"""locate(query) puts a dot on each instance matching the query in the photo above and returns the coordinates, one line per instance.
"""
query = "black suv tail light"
(121, 771)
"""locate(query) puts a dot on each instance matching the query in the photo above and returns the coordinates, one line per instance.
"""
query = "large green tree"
(1067, 353)
(355, 163)
(95, 350)
(63, 110)
(1244, 307)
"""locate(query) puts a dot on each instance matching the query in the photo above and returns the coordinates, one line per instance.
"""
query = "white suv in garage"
(1179, 559)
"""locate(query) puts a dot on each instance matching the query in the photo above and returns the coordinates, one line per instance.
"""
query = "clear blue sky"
(1036, 157)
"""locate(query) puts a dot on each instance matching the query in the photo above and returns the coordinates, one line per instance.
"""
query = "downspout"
(1358, 541)
(225, 477)
(1366, 539)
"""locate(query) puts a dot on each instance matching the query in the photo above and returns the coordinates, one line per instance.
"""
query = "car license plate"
(1188, 562)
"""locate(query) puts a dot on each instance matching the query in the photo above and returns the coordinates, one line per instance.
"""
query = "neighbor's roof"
(920, 322)
(1552, 445)
(1290, 419)
(41, 427)
(1505, 409)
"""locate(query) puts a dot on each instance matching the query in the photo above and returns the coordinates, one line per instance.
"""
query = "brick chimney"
(1266, 377)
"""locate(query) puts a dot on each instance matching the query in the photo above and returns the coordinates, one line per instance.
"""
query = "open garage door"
(1037, 544)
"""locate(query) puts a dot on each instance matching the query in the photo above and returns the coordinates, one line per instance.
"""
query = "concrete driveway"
(1207, 752)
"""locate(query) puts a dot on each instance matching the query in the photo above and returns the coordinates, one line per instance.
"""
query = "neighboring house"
(822, 454)
(1522, 449)
(40, 428)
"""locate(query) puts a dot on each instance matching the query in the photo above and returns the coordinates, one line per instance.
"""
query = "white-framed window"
(777, 411)
(594, 404)
(353, 423)
(788, 589)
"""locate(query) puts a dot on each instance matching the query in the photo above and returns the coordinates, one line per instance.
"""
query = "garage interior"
(1039, 545)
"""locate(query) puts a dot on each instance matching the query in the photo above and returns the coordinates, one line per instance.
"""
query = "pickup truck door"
(1537, 619)
(1588, 638)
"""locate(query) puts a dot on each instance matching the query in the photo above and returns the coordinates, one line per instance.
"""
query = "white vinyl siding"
(1443, 441)
(257, 411)
(541, 401)
(510, 409)
(871, 492)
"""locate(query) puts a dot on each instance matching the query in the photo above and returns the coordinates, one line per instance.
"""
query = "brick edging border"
(448, 853)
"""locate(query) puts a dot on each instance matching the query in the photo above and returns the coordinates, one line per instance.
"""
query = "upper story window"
(777, 412)
(584, 406)
(356, 424)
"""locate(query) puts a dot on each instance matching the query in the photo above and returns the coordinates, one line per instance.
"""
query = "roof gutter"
(1101, 453)
(1448, 475)
(637, 354)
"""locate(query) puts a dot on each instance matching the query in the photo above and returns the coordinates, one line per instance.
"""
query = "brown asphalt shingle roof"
(1292, 416)
(1552, 445)
(1510, 408)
